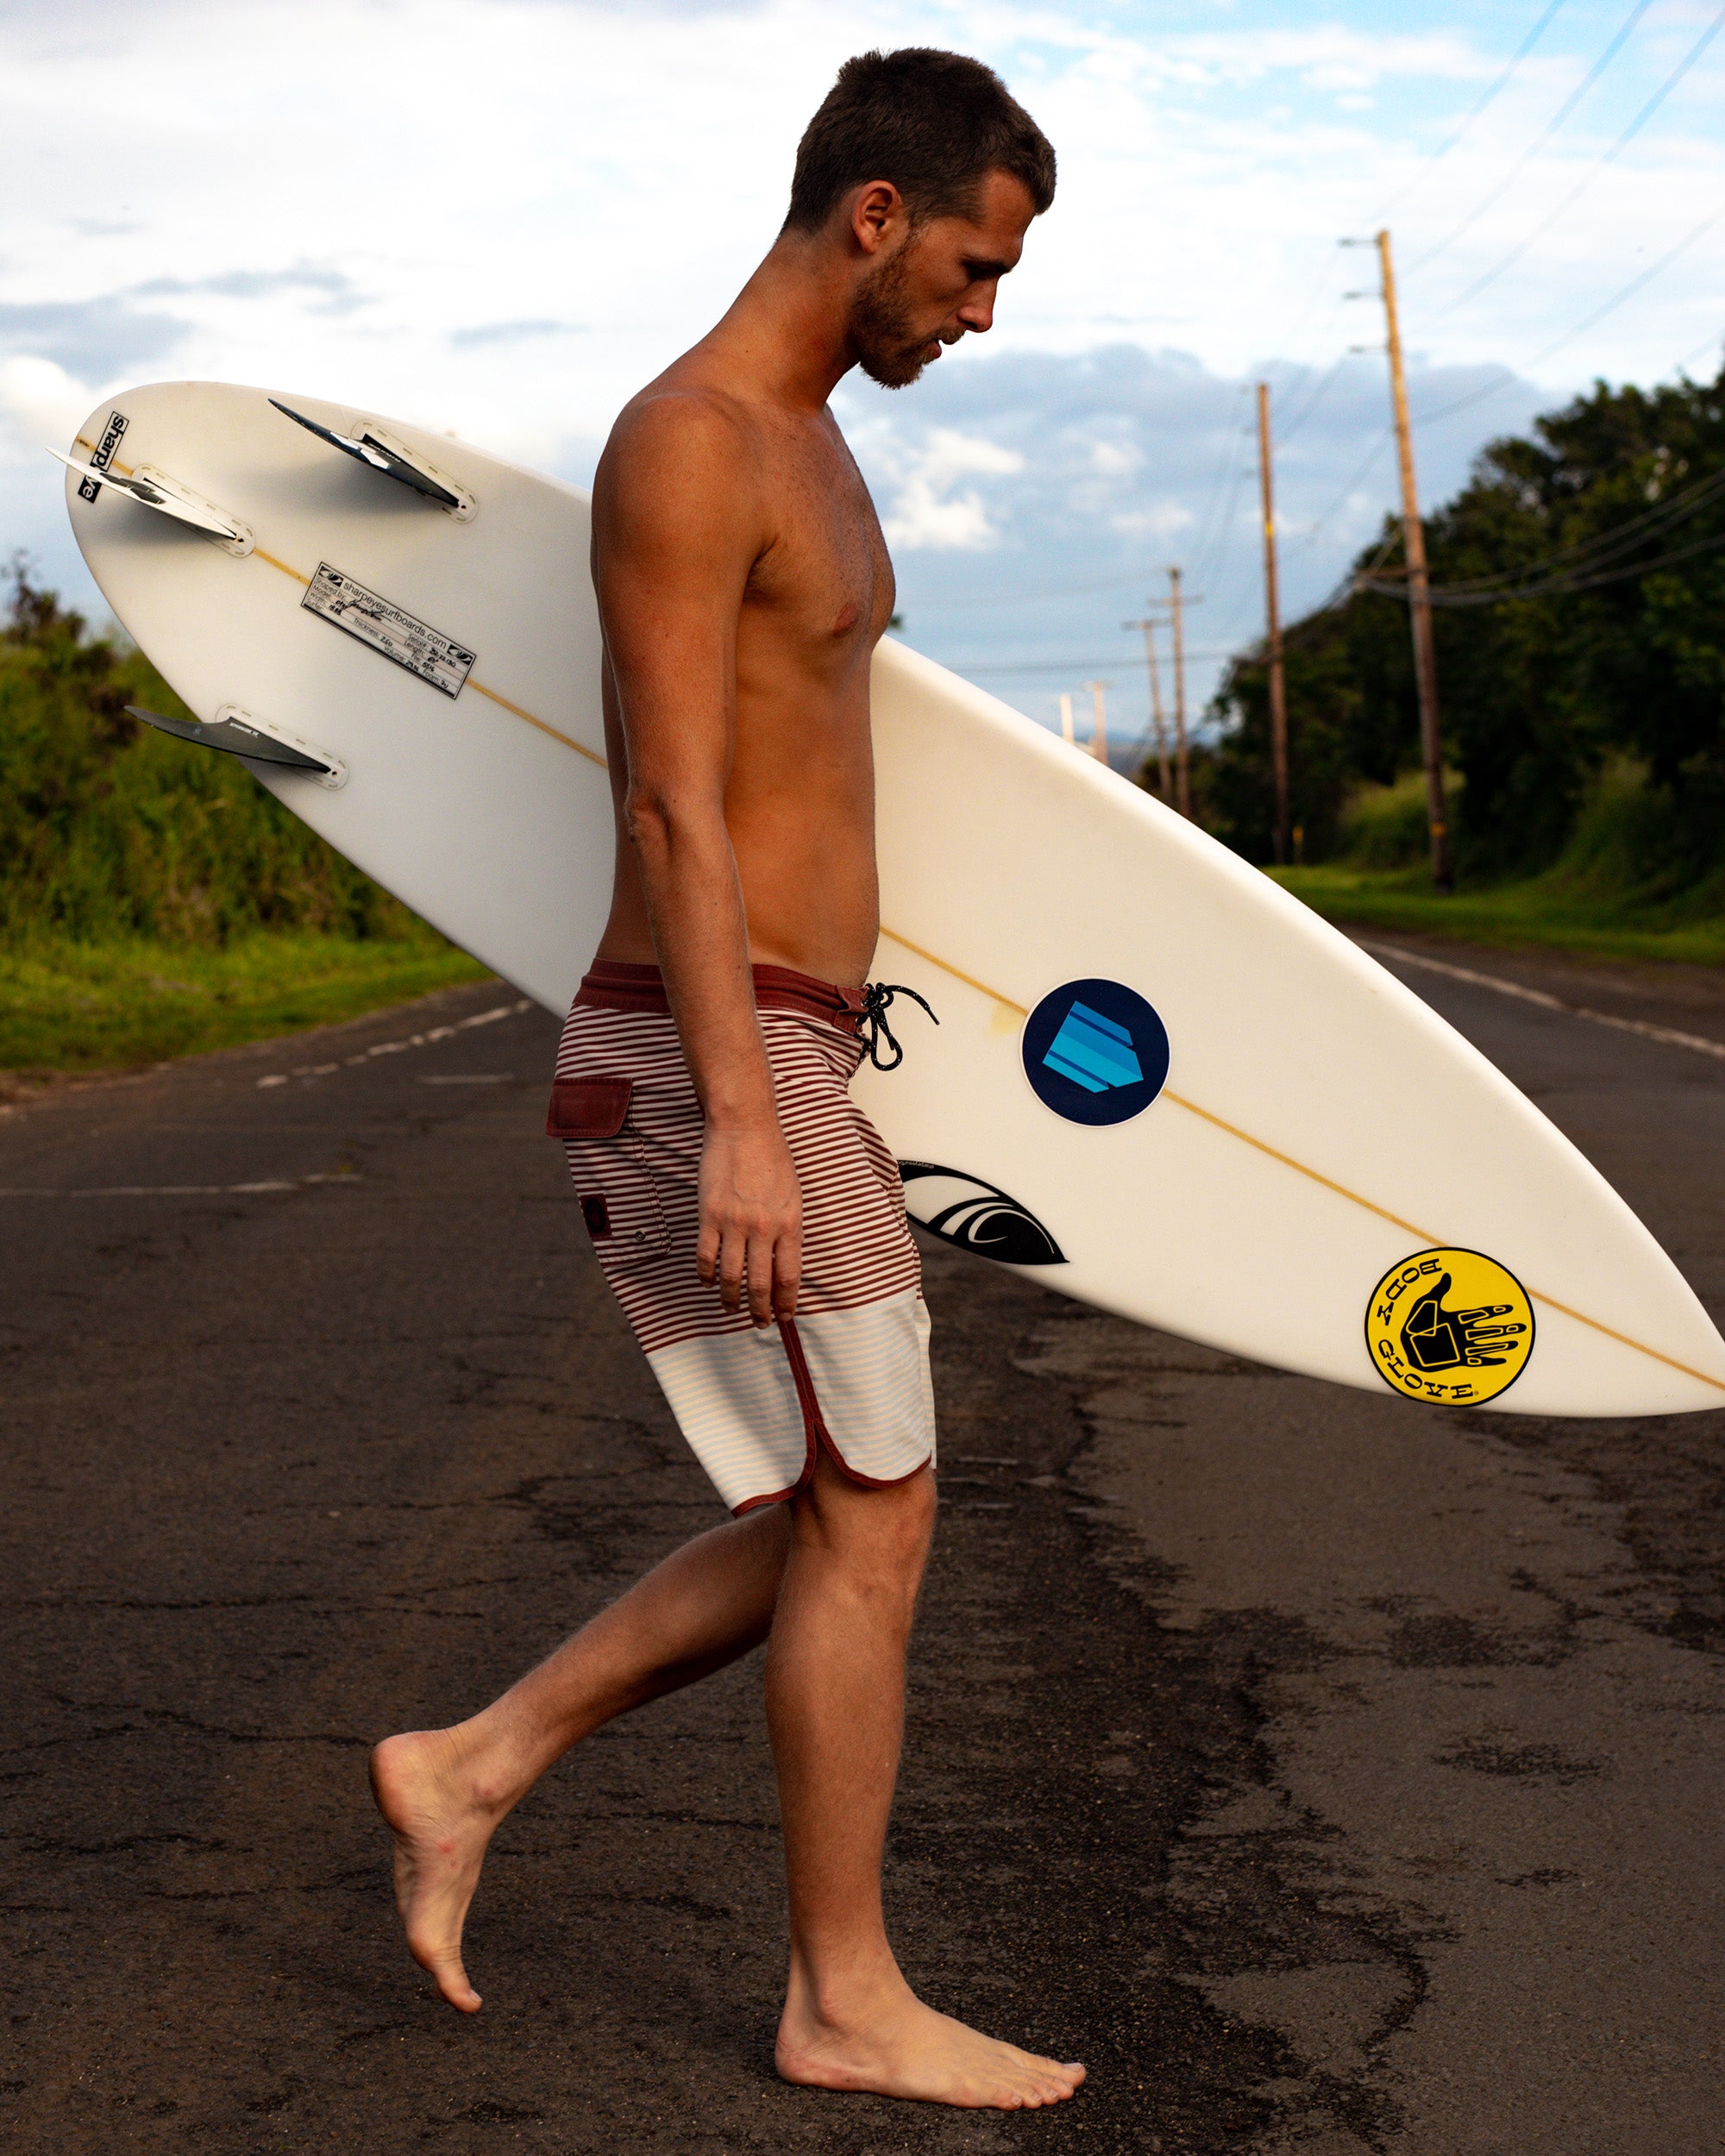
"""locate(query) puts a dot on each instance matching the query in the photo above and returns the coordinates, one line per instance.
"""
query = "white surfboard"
(1158, 1083)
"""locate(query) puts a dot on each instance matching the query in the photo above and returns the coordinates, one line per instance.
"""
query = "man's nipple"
(848, 619)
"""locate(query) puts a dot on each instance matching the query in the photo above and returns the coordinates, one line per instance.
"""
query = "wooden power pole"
(1278, 691)
(1066, 717)
(1162, 767)
(1418, 590)
(1099, 738)
(1182, 771)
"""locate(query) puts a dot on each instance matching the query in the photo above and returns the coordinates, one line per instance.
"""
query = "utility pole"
(1149, 628)
(1278, 691)
(1066, 717)
(1418, 590)
(1099, 738)
(1183, 774)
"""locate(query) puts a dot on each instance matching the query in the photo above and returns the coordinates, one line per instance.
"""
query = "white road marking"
(188, 1190)
(396, 1047)
(1698, 1042)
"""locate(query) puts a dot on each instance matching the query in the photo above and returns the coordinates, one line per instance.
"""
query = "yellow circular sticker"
(1449, 1326)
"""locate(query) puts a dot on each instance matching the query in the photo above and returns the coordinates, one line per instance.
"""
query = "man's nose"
(978, 315)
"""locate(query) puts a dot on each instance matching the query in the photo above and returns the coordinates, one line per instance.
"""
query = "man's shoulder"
(689, 426)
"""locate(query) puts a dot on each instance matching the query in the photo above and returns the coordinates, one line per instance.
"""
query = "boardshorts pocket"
(619, 1201)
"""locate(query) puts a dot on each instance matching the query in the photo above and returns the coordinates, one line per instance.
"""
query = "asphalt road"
(1331, 1774)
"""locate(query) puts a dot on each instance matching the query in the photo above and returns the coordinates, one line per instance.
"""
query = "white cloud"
(574, 191)
(41, 403)
(1113, 460)
(925, 513)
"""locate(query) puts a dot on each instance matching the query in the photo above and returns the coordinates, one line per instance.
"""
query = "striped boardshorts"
(848, 1375)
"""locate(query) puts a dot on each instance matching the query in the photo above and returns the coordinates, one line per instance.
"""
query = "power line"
(1628, 291)
(1562, 114)
(1376, 450)
(1503, 81)
(1558, 587)
(1423, 173)
(1026, 599)
(1712, 342)
(1593, 171)
(1228, 470)
(1316, 397)
(1586, 555)
(1074, 666)
(1633, 287)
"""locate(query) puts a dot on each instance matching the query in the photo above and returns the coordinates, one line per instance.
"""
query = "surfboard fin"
(155, 490)
(237, 733)
(378, 453)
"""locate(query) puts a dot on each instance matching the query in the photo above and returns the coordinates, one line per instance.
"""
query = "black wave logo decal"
(975, 1216)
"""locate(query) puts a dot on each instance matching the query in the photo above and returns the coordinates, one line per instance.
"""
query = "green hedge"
(111, 829)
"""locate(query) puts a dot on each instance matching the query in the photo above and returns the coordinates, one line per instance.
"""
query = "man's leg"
(835, 1708)
(443, 1791)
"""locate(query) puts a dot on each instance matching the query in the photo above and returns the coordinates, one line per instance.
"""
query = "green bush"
(109, 828)
(1384, 826)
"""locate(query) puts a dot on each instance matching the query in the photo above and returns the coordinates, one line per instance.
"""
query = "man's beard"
(881, 328)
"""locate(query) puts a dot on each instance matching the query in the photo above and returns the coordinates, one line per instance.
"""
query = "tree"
(1562, 669)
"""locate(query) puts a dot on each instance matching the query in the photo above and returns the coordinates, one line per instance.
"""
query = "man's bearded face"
(883, 330)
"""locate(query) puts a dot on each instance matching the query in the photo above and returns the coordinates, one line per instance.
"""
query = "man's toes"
(452, 1982)
(446, 1971)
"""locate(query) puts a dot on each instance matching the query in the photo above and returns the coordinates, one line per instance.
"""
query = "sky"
(501, 216)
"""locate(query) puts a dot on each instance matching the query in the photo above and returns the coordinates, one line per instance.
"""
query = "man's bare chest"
(826, 573)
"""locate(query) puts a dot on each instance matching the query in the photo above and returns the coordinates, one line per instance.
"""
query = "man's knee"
(883, 1531)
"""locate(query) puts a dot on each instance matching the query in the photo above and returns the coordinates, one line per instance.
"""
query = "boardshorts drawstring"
(877, 999)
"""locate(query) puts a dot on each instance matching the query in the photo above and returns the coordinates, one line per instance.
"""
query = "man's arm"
(677, 529)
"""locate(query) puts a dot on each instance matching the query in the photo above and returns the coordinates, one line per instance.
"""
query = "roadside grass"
(71, 1008)
(1530, 912)
(1626, 886)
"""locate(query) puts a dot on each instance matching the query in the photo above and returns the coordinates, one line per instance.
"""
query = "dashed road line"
(1669, 1035)
(397, 1048)
(187, 1190)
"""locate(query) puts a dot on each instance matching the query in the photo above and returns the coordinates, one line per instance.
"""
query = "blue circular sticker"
(1096, 1052)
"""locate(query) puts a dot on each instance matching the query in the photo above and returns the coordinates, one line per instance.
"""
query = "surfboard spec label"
(103, 454)
(976, 1216)
(1450, 1324)
(333, 596)
(1096, 1052)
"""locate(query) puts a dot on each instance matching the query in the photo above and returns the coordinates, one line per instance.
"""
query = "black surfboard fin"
(155, 490)
(238, 736)
(370, 448)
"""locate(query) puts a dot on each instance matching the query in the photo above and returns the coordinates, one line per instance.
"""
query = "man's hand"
(751, 1221)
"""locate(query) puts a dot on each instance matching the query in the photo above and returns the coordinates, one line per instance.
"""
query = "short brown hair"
(934, 124)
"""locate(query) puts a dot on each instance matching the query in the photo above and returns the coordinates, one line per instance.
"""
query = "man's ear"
(876, 214)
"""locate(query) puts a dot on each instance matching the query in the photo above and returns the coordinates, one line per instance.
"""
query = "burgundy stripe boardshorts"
(848, 1375)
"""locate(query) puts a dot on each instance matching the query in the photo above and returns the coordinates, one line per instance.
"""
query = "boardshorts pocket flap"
(588, 1107)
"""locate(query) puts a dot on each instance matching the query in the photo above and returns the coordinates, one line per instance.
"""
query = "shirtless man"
(749, 1220)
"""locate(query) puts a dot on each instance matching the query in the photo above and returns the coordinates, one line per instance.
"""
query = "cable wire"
(1285, 435)
(1593, 171)
(1503, 81)
(1310, 534)
(1586, 555)
(1558, 588)
(1551, 126)
(1628, 291)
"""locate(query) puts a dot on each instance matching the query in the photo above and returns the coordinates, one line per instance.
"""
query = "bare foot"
(441, 1828)
(903, 2048)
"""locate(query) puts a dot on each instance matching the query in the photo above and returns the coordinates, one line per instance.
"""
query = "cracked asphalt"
(1331, 1774)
